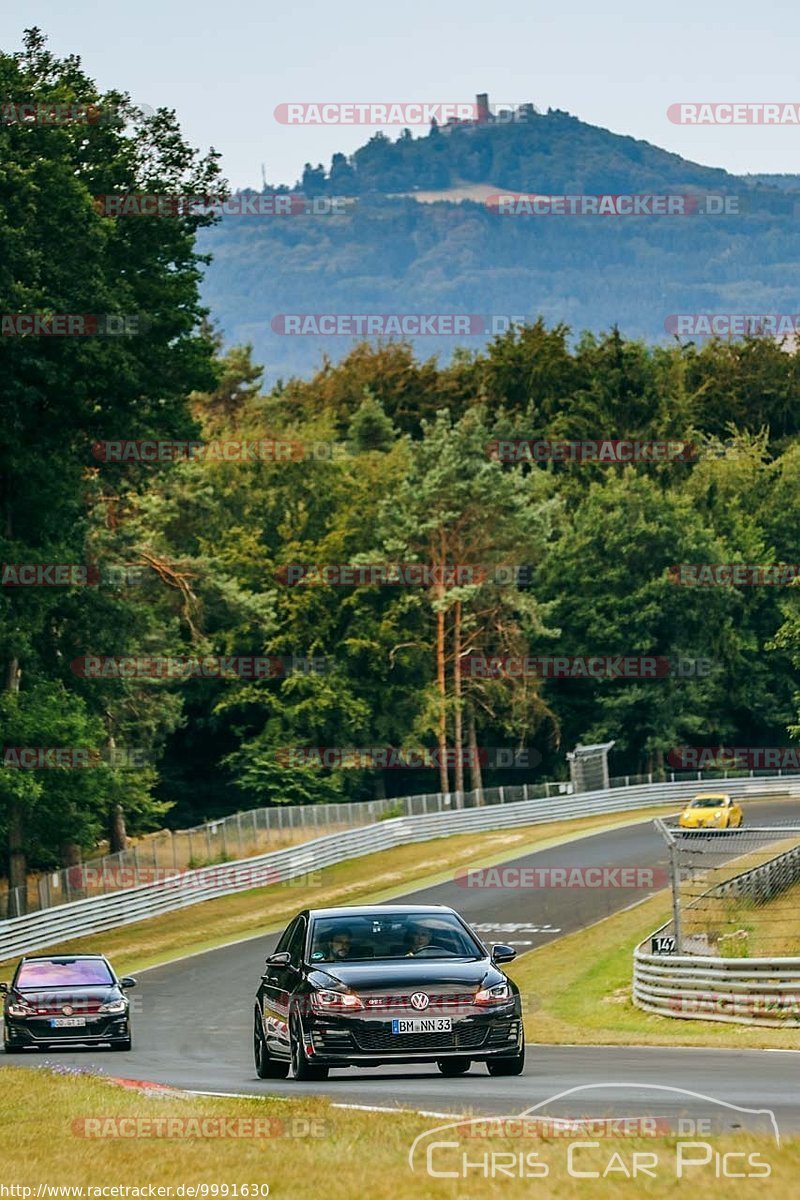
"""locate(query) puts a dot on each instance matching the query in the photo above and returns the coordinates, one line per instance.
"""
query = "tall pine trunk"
(458, 726)
(444, 780)
(17, 864)
(475, 773)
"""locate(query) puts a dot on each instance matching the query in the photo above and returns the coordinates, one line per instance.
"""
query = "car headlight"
(717, 816)
(326, 1001)
(498, 994)
(19, 1008)
(114, 1006)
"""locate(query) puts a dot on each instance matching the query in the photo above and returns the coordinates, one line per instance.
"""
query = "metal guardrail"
(85, 917)
(744, 991)
(260, 830)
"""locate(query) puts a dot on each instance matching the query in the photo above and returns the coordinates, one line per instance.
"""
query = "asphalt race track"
(193, 1018)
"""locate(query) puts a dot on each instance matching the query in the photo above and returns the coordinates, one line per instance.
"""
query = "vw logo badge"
(420, 1000)
(67, 1010)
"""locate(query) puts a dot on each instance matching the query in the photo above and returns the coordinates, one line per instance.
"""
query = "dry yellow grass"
(351, 1153)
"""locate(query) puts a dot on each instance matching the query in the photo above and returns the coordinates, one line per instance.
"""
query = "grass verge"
(364, 880)
(577, 991)
(313, 1144)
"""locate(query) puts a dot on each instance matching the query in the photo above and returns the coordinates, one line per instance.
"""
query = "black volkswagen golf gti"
(391, 984)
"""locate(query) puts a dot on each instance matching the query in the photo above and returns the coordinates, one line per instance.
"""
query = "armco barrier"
(743, 991)
(83, 917)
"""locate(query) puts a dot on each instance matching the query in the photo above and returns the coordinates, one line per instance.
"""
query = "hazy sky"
(225, 67)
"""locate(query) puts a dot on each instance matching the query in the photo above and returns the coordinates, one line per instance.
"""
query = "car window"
(63, 973)
(297, 941)
(286, 936)
(402, 935)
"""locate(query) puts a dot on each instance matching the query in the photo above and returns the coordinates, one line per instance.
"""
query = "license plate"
(423, 1025)
(67, 1022)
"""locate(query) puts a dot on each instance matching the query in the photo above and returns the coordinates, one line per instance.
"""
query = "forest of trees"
(392, 463)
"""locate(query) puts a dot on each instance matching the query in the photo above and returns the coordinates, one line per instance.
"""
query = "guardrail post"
(676, 896)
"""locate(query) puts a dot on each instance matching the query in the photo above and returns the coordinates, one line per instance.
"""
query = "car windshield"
(63, 972)
(403, 935)
(708, 802)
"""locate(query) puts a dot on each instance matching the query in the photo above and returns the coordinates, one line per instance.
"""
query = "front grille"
(380, 1037)
(43, 1032)
(446, 1000)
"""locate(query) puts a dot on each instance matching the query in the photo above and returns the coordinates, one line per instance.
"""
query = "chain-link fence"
(736, 892)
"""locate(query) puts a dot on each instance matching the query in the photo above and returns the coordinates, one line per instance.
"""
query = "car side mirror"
(284, 959)
(503, 954)
(127, 981)
(3, 989)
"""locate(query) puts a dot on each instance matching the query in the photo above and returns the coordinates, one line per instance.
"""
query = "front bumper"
(359, 1039)
(37, 1031)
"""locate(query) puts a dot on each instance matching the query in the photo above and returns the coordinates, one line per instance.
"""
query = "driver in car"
(420, 938)
(340, 944)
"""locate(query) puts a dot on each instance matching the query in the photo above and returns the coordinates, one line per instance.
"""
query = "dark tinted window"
(395, 935)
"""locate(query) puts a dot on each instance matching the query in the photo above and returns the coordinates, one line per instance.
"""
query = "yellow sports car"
(711, 810)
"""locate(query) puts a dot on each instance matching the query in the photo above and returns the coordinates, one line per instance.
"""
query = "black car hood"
(429, 973)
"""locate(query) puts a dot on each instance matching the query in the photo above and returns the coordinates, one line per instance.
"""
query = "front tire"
(514, 1064)
(9, 1049)
(266, 1067)
(302, 1070)
(450, 1067)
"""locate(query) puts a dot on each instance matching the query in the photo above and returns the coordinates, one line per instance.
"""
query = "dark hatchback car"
(390, 984)
(66, 1000)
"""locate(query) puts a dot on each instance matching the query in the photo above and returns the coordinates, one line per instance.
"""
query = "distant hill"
(398, 248)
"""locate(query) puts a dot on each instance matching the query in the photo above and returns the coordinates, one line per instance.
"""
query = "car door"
(280, 982)
(273, 984)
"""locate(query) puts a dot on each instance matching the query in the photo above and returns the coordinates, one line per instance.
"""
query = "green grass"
(336, 1152)
(577, 990)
